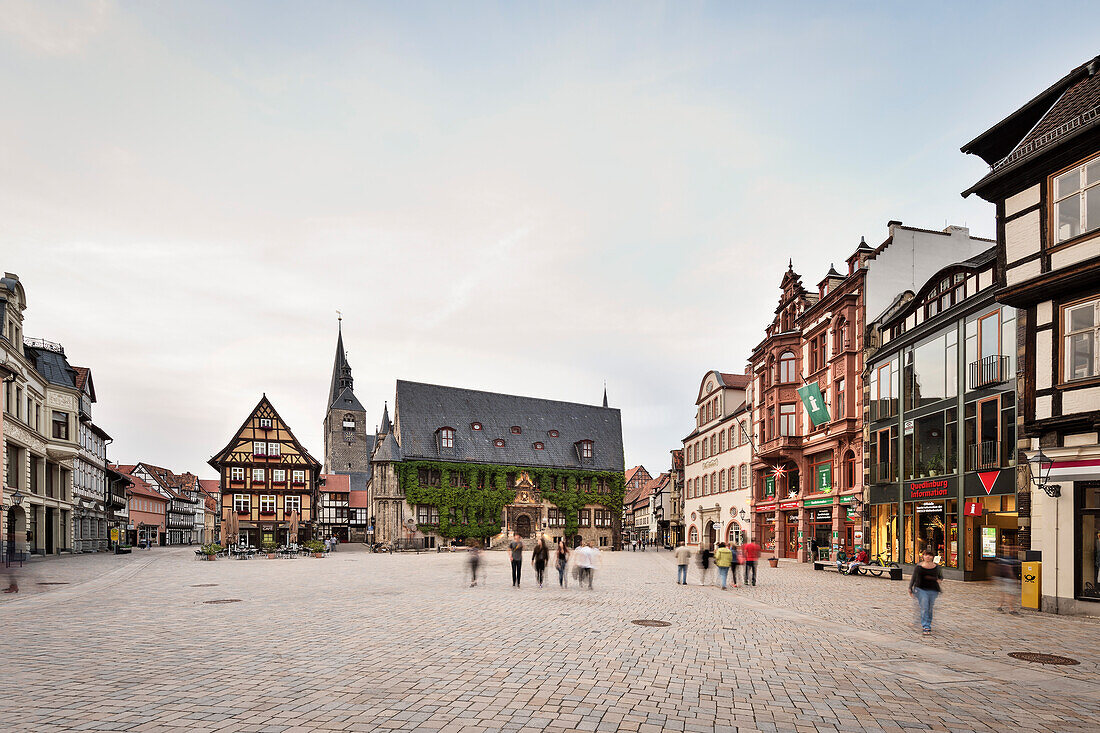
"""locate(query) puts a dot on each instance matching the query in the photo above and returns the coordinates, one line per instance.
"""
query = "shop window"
(838, 399)
(821, 469)
(932, 525)
(1088, 541)
(884, 540)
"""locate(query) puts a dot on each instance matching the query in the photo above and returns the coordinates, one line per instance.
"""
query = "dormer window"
(584, 448)
(447, 438)
(553, 433)
(539, 446)
(516, 430)
(475, 426)
(499, 442)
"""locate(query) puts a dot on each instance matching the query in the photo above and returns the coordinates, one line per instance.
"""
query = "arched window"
(733, 436)
(850, 470)
(787, 367)
(446, 437)
(744, 475)
(349, 422)
(722, 480)
(722, 441)
(706, 485)
(840, 335)
(714, 445)
(714, 483)
(733, 533)
(693, 535)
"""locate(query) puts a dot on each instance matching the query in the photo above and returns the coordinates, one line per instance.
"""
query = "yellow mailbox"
(1031, 584)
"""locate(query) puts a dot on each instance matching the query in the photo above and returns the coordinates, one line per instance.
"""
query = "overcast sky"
(514, 197)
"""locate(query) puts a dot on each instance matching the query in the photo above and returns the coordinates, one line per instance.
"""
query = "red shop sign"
(765, 507)
(972, 509)
(789, 505)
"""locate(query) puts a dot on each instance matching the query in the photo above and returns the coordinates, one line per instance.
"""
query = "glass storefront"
(935, 525)
(884, 532)
(1088, 541)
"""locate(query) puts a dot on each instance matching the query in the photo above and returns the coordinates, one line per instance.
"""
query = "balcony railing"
(882, 409)
(989, 371)
(884, 473)
(983, 456)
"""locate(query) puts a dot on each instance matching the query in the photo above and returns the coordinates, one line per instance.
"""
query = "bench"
(891, 573)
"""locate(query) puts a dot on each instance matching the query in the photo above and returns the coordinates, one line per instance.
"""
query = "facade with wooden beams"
(265, 474)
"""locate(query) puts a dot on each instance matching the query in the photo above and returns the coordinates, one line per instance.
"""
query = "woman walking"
(925, 585)
(563, 561)
(539, 556)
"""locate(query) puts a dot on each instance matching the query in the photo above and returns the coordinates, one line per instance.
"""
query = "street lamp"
(17, 498)
(744, 515)
(1040, 465)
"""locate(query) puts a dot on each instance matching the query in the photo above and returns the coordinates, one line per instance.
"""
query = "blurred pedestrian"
(683, 557)
(925, 585)
(516, 548)
(734, 565)
(585, 558)
(750, 551)
(539, 557)
(1004, 574)
(475, 563)
(704, 565)
(563, 562)
(723, 558)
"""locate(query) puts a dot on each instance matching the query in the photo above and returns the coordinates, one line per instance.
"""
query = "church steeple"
(605, 394)
(341, 370)
(386, 427)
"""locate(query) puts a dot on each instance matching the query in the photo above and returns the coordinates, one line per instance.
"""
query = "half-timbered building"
(1045, 182)
(265, 473)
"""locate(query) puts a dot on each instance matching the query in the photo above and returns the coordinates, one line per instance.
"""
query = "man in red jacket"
(750, 551)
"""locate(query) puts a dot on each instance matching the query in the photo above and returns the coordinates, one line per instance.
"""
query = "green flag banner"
(814, 403)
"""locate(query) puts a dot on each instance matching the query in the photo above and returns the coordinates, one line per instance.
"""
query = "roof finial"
(605, 393)
(790, 264)
(339, 321)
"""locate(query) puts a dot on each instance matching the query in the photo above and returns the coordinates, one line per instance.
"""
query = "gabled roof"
(219, 457)
(422, 409)
(84, 377)
(347, 400)
(631, 471)
(387, 450)
(139, 487)
(1064, 110)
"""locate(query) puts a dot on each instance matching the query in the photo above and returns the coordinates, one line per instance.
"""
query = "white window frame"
(274, 450)
(447, 438)
(1081, 193)
(278, 475)
(258, 474)
(1067, 336)
(265, 422)
(298, 477)
(242, 503)
(259, 448)
(267, 503)
(292, 503)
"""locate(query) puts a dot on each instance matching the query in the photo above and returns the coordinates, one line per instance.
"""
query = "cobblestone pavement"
(361, 642)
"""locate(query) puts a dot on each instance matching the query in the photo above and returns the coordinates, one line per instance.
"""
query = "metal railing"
(45, 345)
(983, 456)
(884, 473)
(989, 370)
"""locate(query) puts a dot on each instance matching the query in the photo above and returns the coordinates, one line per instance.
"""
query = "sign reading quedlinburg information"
(814, 403)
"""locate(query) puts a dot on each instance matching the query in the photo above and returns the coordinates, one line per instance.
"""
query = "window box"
(298, 483)
(236, 481)
(279, 483)
(243, 512)
(267, 513)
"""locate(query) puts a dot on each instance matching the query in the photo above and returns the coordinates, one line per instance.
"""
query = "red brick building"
(806, 478)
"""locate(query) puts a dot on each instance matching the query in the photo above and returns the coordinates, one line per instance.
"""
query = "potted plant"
(211, 551)
(773, 561)
(316, 547)
(269, 548)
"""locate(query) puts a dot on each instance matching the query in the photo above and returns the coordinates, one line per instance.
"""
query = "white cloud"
(54, 27)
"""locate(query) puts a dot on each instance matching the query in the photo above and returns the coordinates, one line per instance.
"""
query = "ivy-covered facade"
(471, 466)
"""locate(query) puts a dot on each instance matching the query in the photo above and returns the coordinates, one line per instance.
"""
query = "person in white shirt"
(586, 557)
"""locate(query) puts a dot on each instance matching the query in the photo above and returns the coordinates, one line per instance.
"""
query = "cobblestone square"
(361, 642)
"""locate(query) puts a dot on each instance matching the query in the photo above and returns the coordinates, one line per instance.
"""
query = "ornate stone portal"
(526, 515)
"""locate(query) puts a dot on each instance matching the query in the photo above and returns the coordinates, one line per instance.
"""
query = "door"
(50, 548)
(523, 525)
(712, 535)
(792, 541)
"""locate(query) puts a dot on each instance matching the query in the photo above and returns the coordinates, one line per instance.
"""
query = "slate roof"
(387, 449)
(347, 400)
(54, 367)
(421, 409)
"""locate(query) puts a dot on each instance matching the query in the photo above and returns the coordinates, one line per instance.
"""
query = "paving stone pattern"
(362, 642)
